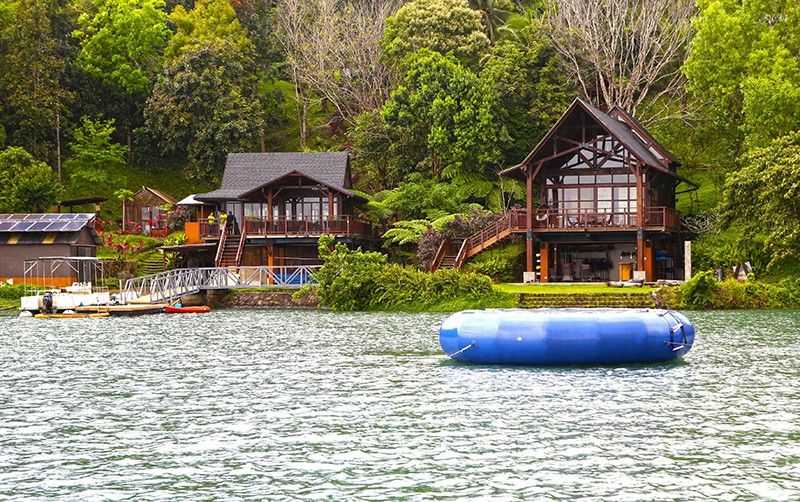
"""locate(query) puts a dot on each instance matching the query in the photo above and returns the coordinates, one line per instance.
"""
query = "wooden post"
(529, 221)
(640, 244)
(544, 259)
(330, 205)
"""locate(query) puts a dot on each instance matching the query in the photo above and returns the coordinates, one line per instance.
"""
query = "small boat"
(124, 310)
(566, 336)
(171, 309)
(70, 316)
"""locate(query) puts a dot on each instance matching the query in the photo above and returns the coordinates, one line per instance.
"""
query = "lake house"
(277, 206)
(600, 204)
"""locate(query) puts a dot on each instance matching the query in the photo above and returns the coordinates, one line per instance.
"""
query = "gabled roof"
(620, 128)
(247, 172)
(149, 195)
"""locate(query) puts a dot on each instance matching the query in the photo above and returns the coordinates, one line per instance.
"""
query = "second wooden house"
(277, 205)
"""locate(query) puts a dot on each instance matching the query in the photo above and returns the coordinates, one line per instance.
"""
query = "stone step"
(630, 300)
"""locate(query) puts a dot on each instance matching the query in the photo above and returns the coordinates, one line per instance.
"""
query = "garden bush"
(12, 291)
(703, 291)
(359, 280)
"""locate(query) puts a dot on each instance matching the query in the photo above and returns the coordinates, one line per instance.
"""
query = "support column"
(529, 221)
(544, 258)
(330, 205)
(687, 260)
(640, 244)
(270, 260)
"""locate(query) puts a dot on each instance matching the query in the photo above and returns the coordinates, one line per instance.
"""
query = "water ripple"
(303, 405)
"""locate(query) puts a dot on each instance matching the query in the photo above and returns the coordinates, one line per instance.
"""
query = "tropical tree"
(444, 26)
(531, 92)
(440, 121)
(744, 64)
(122, 42)
(94, 153)
(205, 105)
(28, 185)
(33, 65)
(210, 21)
(763, 197)
(495, 13)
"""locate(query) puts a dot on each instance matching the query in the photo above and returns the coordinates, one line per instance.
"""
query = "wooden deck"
(298, 227)
(570, 220)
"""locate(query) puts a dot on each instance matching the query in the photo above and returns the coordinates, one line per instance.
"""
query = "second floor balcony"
(565, 220)
(344, 226)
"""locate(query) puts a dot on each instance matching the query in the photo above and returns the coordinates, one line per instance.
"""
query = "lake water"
(272, 404)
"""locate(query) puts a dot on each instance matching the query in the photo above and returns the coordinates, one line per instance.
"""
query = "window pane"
(620, 178)
(604, 193)
(632, 193)
(586, 180)
(620, 193)
(587, 193)
(570, 180)
(604, 206)
(570, 194)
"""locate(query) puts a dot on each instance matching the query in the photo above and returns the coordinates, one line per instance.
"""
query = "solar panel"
(40, 226)
(22, 226)
(44, 222)
(73, 226)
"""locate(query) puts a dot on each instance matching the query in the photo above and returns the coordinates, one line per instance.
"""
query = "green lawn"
(568, 288)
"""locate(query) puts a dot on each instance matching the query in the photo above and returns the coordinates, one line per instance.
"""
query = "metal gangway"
(172, 284)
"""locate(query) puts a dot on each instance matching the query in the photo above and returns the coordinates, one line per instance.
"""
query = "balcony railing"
(298, 227)
(597, 219)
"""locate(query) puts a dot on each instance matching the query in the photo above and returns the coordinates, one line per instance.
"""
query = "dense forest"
(432, 98)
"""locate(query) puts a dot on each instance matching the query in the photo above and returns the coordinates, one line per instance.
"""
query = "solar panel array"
(44, 222)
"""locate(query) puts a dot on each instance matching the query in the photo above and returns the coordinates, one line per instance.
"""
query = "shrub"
(12, 291)
(699, 291)
(358, 280)
(503, 264)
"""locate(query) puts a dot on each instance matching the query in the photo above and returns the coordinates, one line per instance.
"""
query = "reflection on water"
(319, 404)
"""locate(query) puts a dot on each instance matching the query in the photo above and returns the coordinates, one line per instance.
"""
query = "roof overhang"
(346, 193)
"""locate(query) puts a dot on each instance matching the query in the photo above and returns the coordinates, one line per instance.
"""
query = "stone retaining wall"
(262, 299)
(545, 300)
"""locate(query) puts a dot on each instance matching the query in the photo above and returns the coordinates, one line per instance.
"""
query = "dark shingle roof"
(614, 126)
(245, 172)
(624, 134)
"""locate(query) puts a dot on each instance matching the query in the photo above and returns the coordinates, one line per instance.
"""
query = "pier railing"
(172, 284)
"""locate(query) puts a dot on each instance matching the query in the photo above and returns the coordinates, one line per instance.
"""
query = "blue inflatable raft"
(566, 336)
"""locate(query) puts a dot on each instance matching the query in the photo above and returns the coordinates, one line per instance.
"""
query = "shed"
(144, 213)
(30, 236)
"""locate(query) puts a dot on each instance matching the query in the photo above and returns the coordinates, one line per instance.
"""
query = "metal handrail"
(221, 247)
(174, 283)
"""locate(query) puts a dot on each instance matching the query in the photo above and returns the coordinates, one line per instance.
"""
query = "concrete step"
(629, 300)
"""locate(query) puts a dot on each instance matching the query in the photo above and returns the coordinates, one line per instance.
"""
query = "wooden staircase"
(230, 250)
(446, 254)
(453, 253)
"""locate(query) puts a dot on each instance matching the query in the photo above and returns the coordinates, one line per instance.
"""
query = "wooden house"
(277, 206)
(600, 203)
(31, 236)
(144, 212)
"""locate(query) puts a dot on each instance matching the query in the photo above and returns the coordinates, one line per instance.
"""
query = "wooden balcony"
(298, 227)
(569, 220)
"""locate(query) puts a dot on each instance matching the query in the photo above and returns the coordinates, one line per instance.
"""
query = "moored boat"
(173, 309)
(566, 336)
(75, 315)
